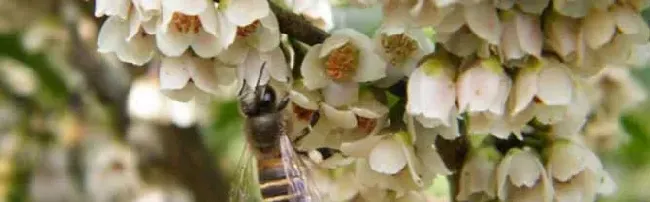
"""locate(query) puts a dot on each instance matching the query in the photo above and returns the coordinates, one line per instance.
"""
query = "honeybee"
(281, 174)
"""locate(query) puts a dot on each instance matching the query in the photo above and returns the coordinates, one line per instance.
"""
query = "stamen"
(342, 62)
(366, 125)
(248, 29)
(186, 23)
(398, 47)
(301, 113)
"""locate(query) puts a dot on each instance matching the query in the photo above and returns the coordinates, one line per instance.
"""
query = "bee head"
(259, 100)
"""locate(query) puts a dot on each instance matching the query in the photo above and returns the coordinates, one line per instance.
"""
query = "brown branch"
(297, 26)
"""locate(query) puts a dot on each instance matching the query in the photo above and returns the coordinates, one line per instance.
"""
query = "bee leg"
(305, 131)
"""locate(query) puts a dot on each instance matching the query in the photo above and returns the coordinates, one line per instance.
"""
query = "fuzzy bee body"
(267, 125)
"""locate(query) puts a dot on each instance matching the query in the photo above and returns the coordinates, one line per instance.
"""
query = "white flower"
(182, 78)
(521, 35)
(548, 81)
(343, 60)
(115, 37)
(478, 176)
(483, 88)
(432, 82)
(561, 34)
(577, 172)
(189, 24)
(261, 35)
(401, 48)
(119, 8)
(521, 177)
(483, 20)
(244, 12)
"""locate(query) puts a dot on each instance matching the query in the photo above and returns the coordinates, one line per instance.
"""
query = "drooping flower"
(576, 172)
(189, 24)
(521, 35)
(432, 82)
(115, 37)
(478, 176)
(521, 176)
(318, 12)
(344, 59)
(259, 36)
(186, 77)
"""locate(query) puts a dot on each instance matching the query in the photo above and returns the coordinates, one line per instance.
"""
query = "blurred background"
(76, 125)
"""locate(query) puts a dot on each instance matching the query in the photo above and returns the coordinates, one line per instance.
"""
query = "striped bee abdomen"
(274, 183)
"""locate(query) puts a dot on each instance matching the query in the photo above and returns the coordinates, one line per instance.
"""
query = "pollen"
(302, 114)
(398, 47)
(342, 62)
(248, 29)
(366, 125)
(186, 23)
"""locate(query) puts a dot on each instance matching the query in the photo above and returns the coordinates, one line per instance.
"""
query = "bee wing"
(240, 187)
(297, 173)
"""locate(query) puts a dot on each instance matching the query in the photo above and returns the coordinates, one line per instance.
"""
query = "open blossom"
(433, 82)
(344, 59)
(401, 48)
(186, 77)
(522, 177)
(577, 172)
(189, 24)
(259, 36)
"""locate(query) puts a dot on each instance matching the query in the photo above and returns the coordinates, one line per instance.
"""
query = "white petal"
(361, 148)
(235, 53)
(529, 34)
(312, 69)
(244, 12)
(566, 160)
(188, 7)
(499, 103)
(336, 40)
(341, 93)
(206, 45)
(112, 35)
(453, 21)
(227, 30)
(173, 74)
(173, 43)
(276, 64)
(483, 20)
(423, 90)
(478, 88)
(268, 37)
(368, 107)
(600, 28)
(209, 20)
(563, 34)
(340, 118)
(251, 69)
(572, 8)
(204, 75)
(525, 88)
(387, 157)
(555, 86)
(510, 48)
(371, 67)
(525, 169)
(139, 50)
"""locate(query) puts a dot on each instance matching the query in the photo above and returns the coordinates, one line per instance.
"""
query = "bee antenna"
(241, 89)
(261, 72)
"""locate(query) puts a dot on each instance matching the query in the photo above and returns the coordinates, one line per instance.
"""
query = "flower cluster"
(517, 79)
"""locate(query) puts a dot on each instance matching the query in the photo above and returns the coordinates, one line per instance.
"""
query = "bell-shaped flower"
(600, 27)
(344, 59)
(428, 162)
(261, 35)
(547, 85)
(521, 35)
(478, 176)
(119, 8)
(521, 177)
(115, 37)
(533, 6)
(577, 172)
(401, 48)
(483, 20)
(561, 33)
(433, 82)
(186, 77)
(189, 24)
